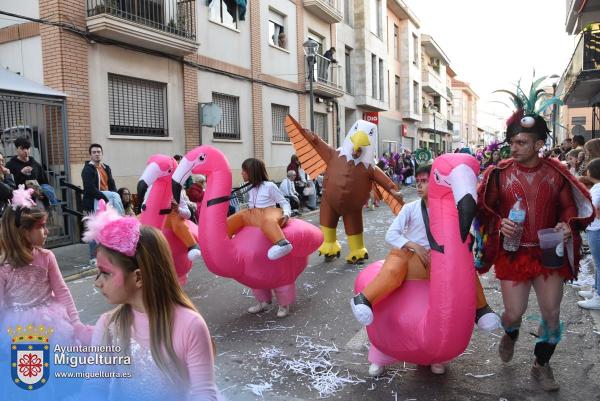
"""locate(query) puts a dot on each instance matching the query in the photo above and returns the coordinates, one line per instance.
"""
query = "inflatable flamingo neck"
(158, 199)
(212, 227)
(453, 263)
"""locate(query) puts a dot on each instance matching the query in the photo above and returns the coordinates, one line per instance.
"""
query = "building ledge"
(326, 89)
(327, 10)
(371, 104)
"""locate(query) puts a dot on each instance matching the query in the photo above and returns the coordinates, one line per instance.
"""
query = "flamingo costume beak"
(181, 174)
(463, 181)
(149, 176)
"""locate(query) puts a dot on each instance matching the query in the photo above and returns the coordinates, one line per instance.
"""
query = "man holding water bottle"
(518, 198)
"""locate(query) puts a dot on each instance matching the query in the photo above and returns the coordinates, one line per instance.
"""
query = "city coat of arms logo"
(30, 356)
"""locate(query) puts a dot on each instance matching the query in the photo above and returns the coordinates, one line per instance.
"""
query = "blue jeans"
(114, 199)
(48, 191)
(594, 243)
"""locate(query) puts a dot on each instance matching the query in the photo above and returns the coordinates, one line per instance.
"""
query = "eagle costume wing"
(385, 195)
(311, 150)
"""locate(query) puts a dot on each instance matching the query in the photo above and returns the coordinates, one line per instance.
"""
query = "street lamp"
(554, 107)
(433, 110)
(310, 50)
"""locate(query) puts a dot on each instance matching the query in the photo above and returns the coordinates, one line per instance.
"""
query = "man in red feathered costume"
(552, 197)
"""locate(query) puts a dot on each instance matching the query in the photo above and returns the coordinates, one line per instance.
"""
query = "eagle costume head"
(360, 142)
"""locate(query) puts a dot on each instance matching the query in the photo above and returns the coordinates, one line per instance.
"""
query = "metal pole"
(311, 71)
(434, 134)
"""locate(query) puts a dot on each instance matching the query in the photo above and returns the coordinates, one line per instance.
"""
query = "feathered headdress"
(115, 232)
(529, 107)
(22, 198)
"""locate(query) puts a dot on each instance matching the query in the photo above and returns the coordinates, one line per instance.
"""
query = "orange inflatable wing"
(383, 185)
(312, 151)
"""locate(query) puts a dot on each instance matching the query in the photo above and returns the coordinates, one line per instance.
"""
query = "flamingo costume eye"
(202, 157)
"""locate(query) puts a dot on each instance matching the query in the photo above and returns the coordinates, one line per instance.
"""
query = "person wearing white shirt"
(288, 190)
(263, 213)
(592, 297)
(409, 259)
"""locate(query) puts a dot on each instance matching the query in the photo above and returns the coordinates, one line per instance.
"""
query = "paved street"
(264, 354)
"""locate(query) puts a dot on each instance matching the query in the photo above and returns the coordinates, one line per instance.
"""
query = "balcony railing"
(175, 17)
(327, 78)
(432, 83)
(584, 64)
(435, 123)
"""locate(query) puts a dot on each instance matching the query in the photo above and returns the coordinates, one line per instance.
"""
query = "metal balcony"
(328, 10)
(164, 25)
(580, 83)
(327, 78)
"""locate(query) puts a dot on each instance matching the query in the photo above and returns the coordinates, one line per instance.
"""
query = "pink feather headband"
(115, 232)
(22, 198)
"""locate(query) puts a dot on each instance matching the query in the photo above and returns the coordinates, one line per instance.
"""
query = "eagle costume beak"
(360, 139)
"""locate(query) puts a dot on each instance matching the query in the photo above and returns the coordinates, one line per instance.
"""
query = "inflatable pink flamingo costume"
(243, 257)
(431, 321)
(157, 174)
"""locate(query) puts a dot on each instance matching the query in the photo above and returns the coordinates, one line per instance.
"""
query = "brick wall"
(65, 59)
(190, 107)
(256, 67)
(19, 31)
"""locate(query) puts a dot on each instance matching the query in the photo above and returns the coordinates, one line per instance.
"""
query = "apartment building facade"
(434, 129)
(398, 125)
(464, 117)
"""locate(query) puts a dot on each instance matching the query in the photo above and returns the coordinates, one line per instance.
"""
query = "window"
(578, 120)
(416, 95)
(373, 76)
(321, 126)
(415, 49)
(224, 12)
(397, 92)
(278, 114)
(396, 44)
(348, 70)
(376, 17)
(277, 35)
(348, 13)
(381, 83)
(229, 127)
(137, 106)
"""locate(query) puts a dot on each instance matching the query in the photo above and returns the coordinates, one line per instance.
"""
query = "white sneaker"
(489, 322)
(93, 262)
(438, 368)
(362, 313)
(283, 311)
(592, 303)
(586, 294)
(194, 254)
(375, 370)
(259, 307)
(279, 251)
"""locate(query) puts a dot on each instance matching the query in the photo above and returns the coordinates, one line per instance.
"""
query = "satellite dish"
(578, 130)
(211, 114)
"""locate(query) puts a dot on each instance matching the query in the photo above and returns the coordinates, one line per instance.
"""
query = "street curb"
(83, 274)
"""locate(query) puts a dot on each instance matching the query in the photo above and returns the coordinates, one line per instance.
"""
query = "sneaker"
(283, 311)
(586, 294)
(592, 303)
(194, 254)
(506, 348)
(489, 322)
(375, 370)
(93, 262)
(361, 308)
(438, 368)
(259, 307)
(279, 250)
(545, 376)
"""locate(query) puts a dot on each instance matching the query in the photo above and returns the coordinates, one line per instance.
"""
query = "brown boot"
(506, 348)
(544, 374)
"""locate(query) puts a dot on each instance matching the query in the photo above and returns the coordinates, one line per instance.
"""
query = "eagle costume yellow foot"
(358, 252)
(330, 248)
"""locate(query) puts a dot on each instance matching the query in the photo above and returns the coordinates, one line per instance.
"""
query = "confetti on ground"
(269, 353)
(258, 389)
(479, 376)
(274, 328)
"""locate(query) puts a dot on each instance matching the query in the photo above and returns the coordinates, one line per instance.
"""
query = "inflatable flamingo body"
(243, 257)
(157, 176)
(431, 321)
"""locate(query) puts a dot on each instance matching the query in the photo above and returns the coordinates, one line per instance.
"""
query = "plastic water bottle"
(516, 215)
